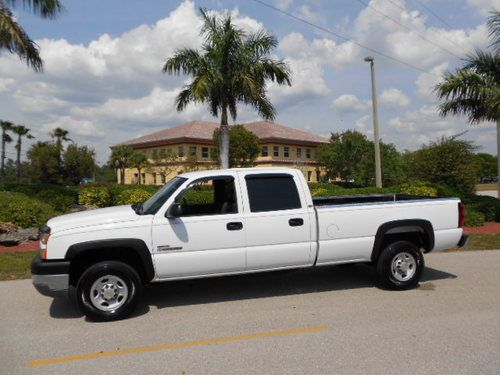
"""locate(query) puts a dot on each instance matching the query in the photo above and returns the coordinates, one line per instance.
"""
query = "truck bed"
(369, 198)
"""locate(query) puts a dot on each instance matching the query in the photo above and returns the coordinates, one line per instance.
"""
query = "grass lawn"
(17, 265)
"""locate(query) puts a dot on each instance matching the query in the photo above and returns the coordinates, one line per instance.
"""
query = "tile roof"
(202, 131)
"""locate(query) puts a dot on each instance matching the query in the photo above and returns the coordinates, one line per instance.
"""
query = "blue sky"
(103, 60)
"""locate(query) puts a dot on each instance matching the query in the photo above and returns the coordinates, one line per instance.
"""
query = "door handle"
(234, 226)
(296, 222)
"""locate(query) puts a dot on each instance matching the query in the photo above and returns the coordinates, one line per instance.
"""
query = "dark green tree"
(6, 138)
(487, 165)
(243, 146)
(121, 158)
(14, 39)
(43, 163)
(232, 67)
(78, 162)
(448, 161)
(139, 161)
(21, 131)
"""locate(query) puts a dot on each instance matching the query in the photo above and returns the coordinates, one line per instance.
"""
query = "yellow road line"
(176, 345)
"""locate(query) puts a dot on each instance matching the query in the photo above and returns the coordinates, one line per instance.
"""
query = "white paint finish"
(445, 239)
(344, 250)
(207, 245)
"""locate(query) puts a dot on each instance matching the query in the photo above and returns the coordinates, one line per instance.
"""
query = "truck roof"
(211, 172)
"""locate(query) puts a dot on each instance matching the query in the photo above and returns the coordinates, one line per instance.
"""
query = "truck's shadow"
(260, 285)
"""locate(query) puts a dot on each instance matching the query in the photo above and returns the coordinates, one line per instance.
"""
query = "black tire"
(118, 278)
(400, 266)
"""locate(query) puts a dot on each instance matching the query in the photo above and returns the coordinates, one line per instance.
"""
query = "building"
(190, 146)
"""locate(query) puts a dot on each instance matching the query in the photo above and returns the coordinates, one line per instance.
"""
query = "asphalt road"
(323, 321)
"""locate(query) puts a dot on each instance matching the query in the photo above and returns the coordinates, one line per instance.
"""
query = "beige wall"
(296, 159)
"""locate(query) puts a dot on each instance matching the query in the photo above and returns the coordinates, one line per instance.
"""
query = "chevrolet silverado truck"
(235, 221)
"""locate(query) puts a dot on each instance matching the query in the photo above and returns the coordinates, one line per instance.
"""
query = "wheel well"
(85, 259)
(418, 232)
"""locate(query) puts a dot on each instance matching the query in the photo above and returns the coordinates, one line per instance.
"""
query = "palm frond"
(41, 8)
(14, 39)
(494, 30)
(186, 61)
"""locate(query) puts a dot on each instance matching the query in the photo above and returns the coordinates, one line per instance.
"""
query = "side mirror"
(175, 210)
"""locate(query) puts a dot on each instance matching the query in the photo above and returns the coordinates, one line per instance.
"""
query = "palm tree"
(14, 39)
(474, 89)
(232, 67)
(60, 135)
(6, 138)
(121, 157)
(21, 131)
(139, 161)
(494, 28)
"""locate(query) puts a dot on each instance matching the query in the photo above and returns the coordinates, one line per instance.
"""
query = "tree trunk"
(122, 177)
(498, 158)
(18, 161)
(3, 153)
(138, 176)
(224, 141)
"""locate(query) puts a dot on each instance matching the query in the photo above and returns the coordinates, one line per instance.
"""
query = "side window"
(209, 196)
(272, 192)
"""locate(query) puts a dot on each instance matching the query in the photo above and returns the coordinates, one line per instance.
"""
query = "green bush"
(474, 219)
(418, 188)
(117, 190)
(95, 196)
(59, 197)
(24, 211)
(132, 196)
(488, 206)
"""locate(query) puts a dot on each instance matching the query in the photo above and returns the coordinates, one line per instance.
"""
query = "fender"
(138, 246)
(411, 225)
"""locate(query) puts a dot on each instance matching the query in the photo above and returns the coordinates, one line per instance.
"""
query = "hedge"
(23, 211)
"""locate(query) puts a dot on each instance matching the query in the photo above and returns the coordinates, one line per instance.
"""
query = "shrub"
(59, 197)
(24, 211)
(418, 188)
(95, 196)
(132, 196)
(488, 206)
(474, 219)
(117, 190)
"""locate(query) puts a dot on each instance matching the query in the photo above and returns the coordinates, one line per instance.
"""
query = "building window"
(286, 152)
(299, 152)
(318, 176)
(180, 151)
(136, 178)
(192, 150)
(276, 151)
(154, 178)
(163, 153)
(309, 175)
(264, 151)
(163, 179)
(204, 152)
(143, 178)
(308, 153)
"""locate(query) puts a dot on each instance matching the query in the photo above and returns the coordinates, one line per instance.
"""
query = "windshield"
(153, 204)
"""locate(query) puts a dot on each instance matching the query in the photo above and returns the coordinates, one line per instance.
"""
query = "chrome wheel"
(403, 266)
(108, 293)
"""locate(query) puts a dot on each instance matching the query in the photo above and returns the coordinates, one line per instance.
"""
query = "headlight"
(44, 234)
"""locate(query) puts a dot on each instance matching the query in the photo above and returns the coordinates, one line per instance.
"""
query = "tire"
(108, 291)
(400, 266)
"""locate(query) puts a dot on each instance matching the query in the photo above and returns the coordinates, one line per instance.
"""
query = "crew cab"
(234, 221)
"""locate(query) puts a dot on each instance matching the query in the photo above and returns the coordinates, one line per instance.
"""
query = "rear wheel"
(400, 265)
(108, 290)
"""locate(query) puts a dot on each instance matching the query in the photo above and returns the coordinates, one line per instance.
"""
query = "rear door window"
(272, 192)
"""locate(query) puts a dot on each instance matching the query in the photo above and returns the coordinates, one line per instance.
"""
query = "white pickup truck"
(226, 222)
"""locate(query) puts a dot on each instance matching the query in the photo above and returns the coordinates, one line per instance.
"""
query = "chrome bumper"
(51, 285)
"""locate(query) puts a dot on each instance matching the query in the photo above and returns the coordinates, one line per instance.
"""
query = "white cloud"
(425, 83)
(307, 13)
(483, 7)
(394, 98)
(350, 103)
(6, 84)
(283, 4)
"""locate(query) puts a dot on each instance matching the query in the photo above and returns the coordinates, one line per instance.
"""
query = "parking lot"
(327, 320)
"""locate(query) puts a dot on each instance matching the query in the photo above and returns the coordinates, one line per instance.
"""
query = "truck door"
(208, 235)
(277, 221)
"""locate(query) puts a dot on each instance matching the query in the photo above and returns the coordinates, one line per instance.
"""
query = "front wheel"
(108, 291)
(400, 265)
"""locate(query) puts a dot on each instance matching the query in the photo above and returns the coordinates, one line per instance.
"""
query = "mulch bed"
(488, 228)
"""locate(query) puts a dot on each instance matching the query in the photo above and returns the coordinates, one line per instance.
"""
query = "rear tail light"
(462, 214)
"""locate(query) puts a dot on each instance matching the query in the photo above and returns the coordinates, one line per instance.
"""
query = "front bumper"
(50, 277)
(463, 240)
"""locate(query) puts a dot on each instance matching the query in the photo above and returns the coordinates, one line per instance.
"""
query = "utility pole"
(378, 167)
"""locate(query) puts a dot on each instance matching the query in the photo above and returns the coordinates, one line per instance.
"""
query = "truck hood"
(100, 216)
